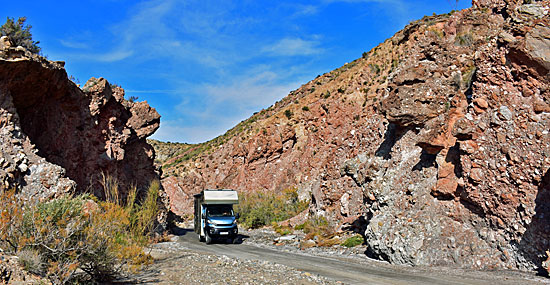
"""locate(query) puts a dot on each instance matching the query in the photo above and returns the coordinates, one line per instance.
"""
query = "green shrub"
(143, 215)
(374, 68)
(288, 114)
(353, 241)
(20, 34)
(305, 108)
(260, 209)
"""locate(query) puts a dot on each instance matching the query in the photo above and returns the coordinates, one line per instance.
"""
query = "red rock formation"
(55, 134)
(437, 138)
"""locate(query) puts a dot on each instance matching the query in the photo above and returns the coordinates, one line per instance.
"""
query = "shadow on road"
(238, 240)
(179, 231)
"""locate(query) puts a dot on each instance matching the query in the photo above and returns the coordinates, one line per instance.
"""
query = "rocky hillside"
(434, 144)
(165, 151)
(57, 138)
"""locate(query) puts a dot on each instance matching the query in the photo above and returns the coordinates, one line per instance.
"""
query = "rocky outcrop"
(58, 138)
(437, 140)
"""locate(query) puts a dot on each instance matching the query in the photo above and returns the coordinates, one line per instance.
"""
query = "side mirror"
(237, 216)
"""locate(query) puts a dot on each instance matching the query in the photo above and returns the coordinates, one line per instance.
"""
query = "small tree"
(20, 34)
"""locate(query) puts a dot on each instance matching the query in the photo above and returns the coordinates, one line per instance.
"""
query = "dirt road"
(350, 270)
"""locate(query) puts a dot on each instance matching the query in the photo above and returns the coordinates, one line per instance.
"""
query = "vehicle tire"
(208, 239)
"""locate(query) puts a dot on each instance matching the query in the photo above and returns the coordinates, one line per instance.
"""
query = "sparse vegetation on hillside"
(464, 39)
(353, 241)
(288, 114)
(261, 209)
(316, 226)
(79, 239)
(181, 152)
(20, 34)
(167, 150)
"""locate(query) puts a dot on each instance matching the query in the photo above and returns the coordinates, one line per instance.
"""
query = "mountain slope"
(434, 144)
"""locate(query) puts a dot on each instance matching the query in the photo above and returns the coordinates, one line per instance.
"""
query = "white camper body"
(214, 216)
(220, 197)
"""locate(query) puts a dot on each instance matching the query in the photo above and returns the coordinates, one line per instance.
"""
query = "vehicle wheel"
(208, 239)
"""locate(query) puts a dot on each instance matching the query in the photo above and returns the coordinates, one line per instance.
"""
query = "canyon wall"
(434, 144)
(58, 138)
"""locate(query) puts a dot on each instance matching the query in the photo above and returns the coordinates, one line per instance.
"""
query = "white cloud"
(258, 90)
(222, 105)
(293, 47)
(217, 60)
(74, 44)
(238, 97)
(399, 7)
(136, 36)
(112, 56)
(226, 104)
(152, 91)
(174, 131)
(307, 10)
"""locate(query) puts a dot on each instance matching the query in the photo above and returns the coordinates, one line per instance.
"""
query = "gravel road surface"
(185, 260)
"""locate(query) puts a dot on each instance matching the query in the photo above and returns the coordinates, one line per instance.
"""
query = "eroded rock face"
(57, 138)
(438, 140)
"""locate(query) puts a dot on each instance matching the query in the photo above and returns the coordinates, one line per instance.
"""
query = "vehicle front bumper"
(223, 231)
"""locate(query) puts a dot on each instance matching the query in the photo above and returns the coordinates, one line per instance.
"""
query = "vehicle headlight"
(234, 222)
(211, 222)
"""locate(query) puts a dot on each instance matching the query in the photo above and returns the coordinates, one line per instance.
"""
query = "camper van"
(214, 215)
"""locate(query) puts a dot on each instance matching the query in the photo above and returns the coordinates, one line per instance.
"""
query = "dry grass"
(319, 229)
(79, 239)
(281, 229)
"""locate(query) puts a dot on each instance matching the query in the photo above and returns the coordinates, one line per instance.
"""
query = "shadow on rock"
(392, 135)
(536, 239)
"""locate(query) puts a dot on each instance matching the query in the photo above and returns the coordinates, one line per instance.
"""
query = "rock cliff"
(58, 138)
(434, 144)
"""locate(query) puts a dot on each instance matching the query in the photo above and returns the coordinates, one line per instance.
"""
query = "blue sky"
(206, 65)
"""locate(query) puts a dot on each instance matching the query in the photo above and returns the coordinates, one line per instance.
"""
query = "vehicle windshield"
(220, 211)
